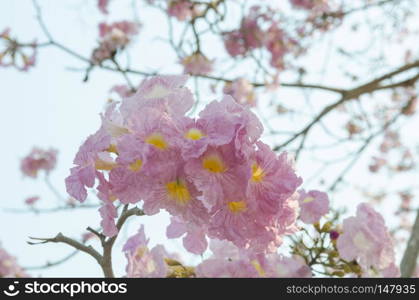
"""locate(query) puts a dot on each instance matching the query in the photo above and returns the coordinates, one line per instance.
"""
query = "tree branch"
(409, 260)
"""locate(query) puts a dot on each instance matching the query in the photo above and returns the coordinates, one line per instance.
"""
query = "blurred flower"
(197, 64)
(37, 160)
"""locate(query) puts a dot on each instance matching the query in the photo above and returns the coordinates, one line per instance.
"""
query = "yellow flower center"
(258, 268)
(112, 148)
(257, 173)
(308, 200)
(237, 206)
(177, 190)
(213, 163)
(136, 165)
(104, 165)
(194, 134)
(157, 140)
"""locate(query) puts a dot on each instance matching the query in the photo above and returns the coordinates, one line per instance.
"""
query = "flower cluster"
(211, 173)
(37, 160)
(181, 9)
(113, 37)
(15, 54)
(9, 267)
(260, 29)
(366, 240)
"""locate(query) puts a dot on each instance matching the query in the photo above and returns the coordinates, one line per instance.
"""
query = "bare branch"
(60, 238)
(54, 263)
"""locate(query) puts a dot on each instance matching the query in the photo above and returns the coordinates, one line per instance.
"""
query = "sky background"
(50, 106)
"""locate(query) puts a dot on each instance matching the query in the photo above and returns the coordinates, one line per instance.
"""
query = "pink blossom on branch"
(38, 160)
(212, 174)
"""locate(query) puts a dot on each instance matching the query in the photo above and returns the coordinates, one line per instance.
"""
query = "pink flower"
(234, 43)
(31, 200)
(173, 191)
(114, 37)
(217, 167)
(143, 262)
(314, 204)
(310, 4)
(90, 157)
(195, 239)
(365, 239)
(248, 37)
(108, 213)
(9, 267)
(274, 265)
(103, 6)
(232, 262)
(196, 135)
(273, 179)
(227, 261)
(181, 9)
(248, 127)
(242, 91)
(165, 93)
(197, 64)
(37, 160)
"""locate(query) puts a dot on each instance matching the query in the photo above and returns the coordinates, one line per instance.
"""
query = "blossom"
(165, 93)
(143, 262)
(314, 204)
(211, 173)
(9, 267)
(228, 260)
(311, 4)
(31, 200)
(242, 91)
(103, 6)
(234, 43)
(108, 213)
(181, 9)
(365, 238)
(90, 157)
(37, 160)
(194, 239)
(248, 37)
(114, 36)
(275, 265)
(197, 64)
(273, 179)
